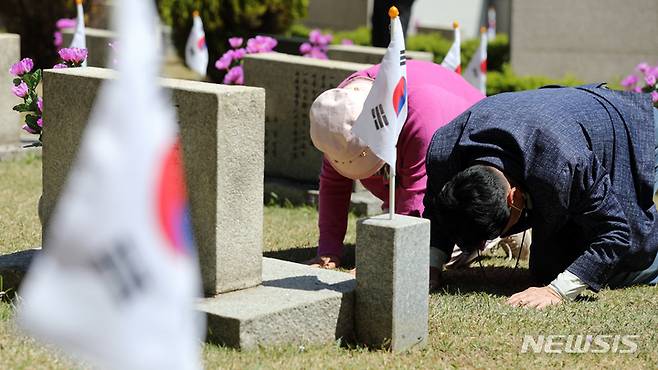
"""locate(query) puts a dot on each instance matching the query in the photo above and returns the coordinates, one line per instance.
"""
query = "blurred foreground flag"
(453, 60)
(196, 51)
(476, 71)
(385, 109)
(79, 37)
(118, 276)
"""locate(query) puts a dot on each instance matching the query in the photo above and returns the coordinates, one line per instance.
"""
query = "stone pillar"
(392, 281)
(222, 130)
(10, 53)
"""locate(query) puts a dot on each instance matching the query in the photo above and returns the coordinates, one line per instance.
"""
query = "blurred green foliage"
(506, 80)
(223, 19)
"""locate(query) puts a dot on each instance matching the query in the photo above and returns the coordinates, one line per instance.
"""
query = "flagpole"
(391, 192)
(392, 13)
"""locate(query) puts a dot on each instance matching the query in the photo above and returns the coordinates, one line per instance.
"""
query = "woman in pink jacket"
(436, 96)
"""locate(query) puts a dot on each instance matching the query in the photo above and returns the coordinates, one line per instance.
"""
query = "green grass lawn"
(470, 326)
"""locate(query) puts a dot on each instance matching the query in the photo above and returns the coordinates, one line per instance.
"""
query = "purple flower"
(235, 76)
(73, 55)
(29, 129)
(654, 96)
(305, 48)
(65, 23)
(650, 80)
(347, 42)
(314, 36)
(58, 39)
(653, 71)
(235, 42)
(629, 81)
(40, 122)
(20, 90)
(60, 66)
(637, 89)
(325, 39)
(40, 104)
(642, 67)
(261, 44)
(316, 53)
(225, 60)
(239, 53)
(21, 67)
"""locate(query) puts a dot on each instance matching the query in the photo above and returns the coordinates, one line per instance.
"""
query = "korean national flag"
(196, 51)
(385, 109)
(118, 277)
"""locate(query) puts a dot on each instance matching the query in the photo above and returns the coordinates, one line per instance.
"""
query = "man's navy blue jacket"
(584, 155)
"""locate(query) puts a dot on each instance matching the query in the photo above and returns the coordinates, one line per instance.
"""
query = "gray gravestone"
(221, 130)
(292, 84)
(392, 264)
(370, 54)
(10, 53)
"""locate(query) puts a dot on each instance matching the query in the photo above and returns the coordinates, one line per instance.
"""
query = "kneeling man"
(577, 165)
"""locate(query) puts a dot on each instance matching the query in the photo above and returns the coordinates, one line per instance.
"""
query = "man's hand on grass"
(534, 297)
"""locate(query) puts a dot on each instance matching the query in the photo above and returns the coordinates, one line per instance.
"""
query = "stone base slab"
(295, 304)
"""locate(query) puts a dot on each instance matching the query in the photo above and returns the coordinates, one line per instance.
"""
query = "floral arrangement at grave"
(646, 82)
(26, 80)
(231, 60)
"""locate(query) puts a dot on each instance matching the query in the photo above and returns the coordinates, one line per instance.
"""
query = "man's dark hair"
(472, 207)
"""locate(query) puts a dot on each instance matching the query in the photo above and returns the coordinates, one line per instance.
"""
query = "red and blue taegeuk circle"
(400, 95)
(173, 209)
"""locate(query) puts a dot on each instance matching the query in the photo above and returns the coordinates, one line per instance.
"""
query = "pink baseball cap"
(332, 116)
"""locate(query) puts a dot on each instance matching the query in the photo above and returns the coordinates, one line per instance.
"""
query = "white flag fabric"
(118, 276)
(453, 60)
(196, 51)
(476, 71)
(385, 109)
(491, 22)
(79, 37)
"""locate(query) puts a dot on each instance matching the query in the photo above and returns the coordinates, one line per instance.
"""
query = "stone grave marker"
(222, 151)
(10, 53)
(292, 83)
(370, 54)
(392, 281)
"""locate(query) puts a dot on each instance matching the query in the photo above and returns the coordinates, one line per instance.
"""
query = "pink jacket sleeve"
(334, 203)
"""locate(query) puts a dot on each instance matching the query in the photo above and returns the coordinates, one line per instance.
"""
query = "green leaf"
(31, 120)
(37, 76)
(22, 108)
(17, 81)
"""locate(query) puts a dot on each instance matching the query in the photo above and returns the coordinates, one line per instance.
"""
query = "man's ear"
(511, 195)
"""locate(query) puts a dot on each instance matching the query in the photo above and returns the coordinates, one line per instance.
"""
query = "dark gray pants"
(655, 124)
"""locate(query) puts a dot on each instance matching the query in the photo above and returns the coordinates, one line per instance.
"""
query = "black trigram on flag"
(379, 117)
(403, 58)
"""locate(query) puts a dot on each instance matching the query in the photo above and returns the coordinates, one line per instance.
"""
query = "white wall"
(441, 14)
